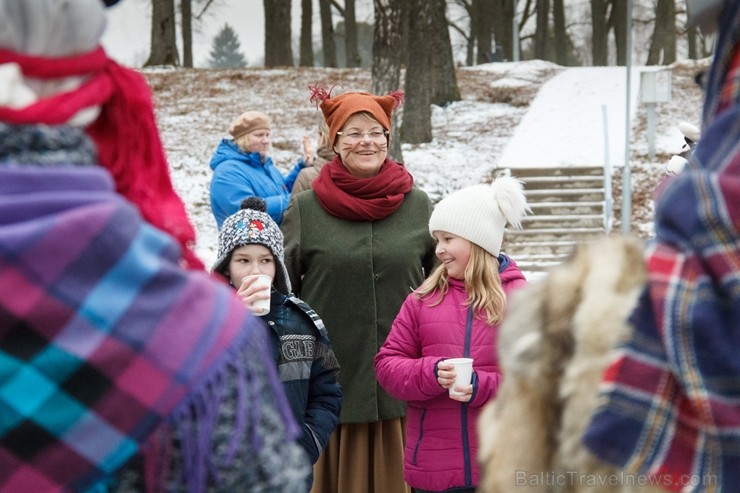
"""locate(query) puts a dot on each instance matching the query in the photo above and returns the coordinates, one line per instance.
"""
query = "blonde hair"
(323, 134)
(482, 285)
(242, 142)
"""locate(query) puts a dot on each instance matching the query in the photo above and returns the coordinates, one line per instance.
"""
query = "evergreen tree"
(225, 50)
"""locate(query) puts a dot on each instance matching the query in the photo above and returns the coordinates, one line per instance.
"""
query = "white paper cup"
(261, 307)
(464, 371)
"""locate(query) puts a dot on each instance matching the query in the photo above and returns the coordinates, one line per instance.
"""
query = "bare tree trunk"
(503, 27)
(327, 34)
(306, 44)
(469, 34)
(163, 49)
(406, 13)
(542, 32)
(417, 115)
(663, 43)
(669, 44)
(278, 49)
(693, 48)
(482, 20)
(599, 48)
(350, 31)
(444, 79)
(561, 36)
(386, 71)
(618, 21)
(186, 8)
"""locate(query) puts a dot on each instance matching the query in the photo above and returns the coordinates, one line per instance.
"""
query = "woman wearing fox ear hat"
(120, 370)
(355, 247)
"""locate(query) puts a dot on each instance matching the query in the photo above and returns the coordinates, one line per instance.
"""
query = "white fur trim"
(14, 93)
(676, 165)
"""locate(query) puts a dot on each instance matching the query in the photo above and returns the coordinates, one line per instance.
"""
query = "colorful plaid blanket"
(671, 409)
(103, 336)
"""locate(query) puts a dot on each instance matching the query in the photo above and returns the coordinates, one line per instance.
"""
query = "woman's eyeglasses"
(375, 136)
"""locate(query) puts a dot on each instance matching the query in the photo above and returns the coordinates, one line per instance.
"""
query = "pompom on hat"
(252, 225)
(479, 213)
(338, 109)
(248, 122)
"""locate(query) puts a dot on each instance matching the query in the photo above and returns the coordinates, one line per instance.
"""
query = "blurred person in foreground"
(123, 365)
(355, 246)
(671, 404)
(624, 361)
(242, 167)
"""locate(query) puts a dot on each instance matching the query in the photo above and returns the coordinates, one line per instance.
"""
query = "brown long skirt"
(363, 458)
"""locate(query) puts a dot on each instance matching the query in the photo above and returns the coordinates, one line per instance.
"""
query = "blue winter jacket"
(238, 175)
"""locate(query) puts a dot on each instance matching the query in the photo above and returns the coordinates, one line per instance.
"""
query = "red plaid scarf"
(671, 398)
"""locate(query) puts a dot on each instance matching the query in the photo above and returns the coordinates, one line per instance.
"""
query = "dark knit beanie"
(252, 225)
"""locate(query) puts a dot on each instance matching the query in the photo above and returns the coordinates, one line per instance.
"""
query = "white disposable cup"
(464, 371)
(261, 307)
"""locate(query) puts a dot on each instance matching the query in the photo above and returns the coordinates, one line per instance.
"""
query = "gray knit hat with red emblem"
(252, 225)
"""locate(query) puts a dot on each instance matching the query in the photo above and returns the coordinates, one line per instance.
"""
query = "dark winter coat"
(308, 369)
(356, 274)
(441, 441)
(238, 175)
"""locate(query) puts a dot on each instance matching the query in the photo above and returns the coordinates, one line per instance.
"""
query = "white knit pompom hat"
(479, 213)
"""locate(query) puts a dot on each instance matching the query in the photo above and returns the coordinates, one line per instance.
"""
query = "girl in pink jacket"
(454, 313)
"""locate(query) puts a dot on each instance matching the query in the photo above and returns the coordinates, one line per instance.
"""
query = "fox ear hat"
(479, 213)
(338, 109)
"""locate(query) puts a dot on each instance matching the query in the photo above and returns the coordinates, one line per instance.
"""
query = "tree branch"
(339, 8)
(203, 10)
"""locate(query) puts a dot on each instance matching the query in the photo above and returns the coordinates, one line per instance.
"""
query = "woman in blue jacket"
(242, 168)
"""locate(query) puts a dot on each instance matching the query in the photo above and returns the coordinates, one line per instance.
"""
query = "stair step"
(560, 179)
(534, 244)
(564, 217)
(572, 170)
(537, 266)
(566, 191)
(555, 231)
(525, 257)
(590, 203)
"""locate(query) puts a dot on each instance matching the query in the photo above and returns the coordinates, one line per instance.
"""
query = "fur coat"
(553, 348)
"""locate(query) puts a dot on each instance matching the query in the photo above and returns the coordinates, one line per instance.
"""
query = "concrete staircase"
(569, 205)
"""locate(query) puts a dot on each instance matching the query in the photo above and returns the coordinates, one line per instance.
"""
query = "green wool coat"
(356, 275)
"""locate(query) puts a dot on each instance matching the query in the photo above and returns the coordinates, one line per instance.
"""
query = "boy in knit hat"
(250, 242)
(455, 313)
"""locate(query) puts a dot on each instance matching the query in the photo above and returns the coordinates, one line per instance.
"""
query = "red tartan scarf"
(671, 399)
(125, 132)
(362, 199)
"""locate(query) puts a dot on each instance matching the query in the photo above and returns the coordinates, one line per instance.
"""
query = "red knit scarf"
(125, 133)
(362, 199)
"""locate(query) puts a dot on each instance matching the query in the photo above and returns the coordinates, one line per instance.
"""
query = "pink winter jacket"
(441, 442)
